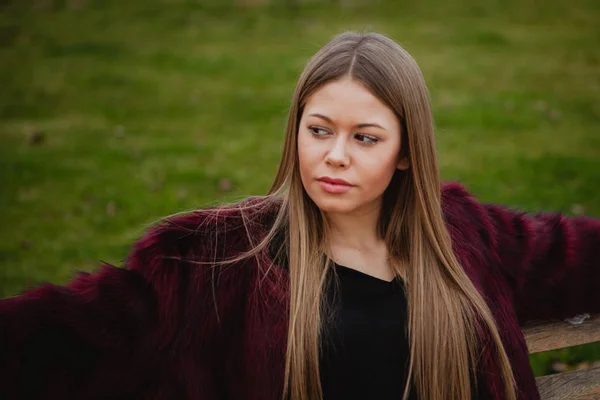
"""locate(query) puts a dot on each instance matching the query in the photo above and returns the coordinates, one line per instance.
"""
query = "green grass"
(145, 106)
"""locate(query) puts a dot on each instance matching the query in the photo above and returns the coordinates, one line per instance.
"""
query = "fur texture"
(164, 327)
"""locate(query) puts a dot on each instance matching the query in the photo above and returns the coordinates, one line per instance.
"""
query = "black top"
(364, 349)
(365, 352)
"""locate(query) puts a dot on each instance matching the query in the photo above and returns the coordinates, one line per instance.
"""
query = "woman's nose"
(338, 154)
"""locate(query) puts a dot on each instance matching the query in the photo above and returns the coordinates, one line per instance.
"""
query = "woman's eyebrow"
(362, 125)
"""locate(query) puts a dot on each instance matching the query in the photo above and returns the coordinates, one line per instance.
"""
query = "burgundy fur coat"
(163, 328)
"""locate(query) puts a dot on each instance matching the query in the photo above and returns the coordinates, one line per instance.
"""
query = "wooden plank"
(546, 336)
(573, 385)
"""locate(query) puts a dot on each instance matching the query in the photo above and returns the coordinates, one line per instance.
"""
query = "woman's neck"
(357, 231)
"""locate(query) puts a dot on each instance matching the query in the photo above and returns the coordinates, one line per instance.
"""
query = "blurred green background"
(115, 113)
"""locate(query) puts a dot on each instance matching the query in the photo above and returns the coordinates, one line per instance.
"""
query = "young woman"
(358, 276)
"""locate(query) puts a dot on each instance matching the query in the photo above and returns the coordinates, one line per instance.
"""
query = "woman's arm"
(86, 337)
(118, 332)
(552, 261)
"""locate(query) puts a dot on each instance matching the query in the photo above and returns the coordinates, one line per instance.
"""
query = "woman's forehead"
(348, 101)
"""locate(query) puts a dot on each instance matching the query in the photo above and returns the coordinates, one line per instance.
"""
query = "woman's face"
(347, 133)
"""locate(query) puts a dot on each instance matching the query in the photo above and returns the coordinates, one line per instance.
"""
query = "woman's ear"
(403, 164)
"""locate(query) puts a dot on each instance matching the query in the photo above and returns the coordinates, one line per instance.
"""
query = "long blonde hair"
(445, 309)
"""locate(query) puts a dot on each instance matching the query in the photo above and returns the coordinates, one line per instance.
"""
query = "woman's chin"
(337, 205)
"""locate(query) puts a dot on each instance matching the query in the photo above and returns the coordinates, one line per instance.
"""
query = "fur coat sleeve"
(551, 262)
(119, 331)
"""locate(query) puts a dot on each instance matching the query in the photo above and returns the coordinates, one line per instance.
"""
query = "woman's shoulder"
(458, 201)
(466, 217)
(455, 192)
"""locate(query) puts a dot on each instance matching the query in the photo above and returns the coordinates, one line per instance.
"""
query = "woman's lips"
(335, 188)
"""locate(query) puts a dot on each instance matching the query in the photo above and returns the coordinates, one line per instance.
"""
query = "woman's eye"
(316, 131)
(366, 139)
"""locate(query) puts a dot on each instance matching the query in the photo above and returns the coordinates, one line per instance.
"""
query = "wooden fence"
(581, 384)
